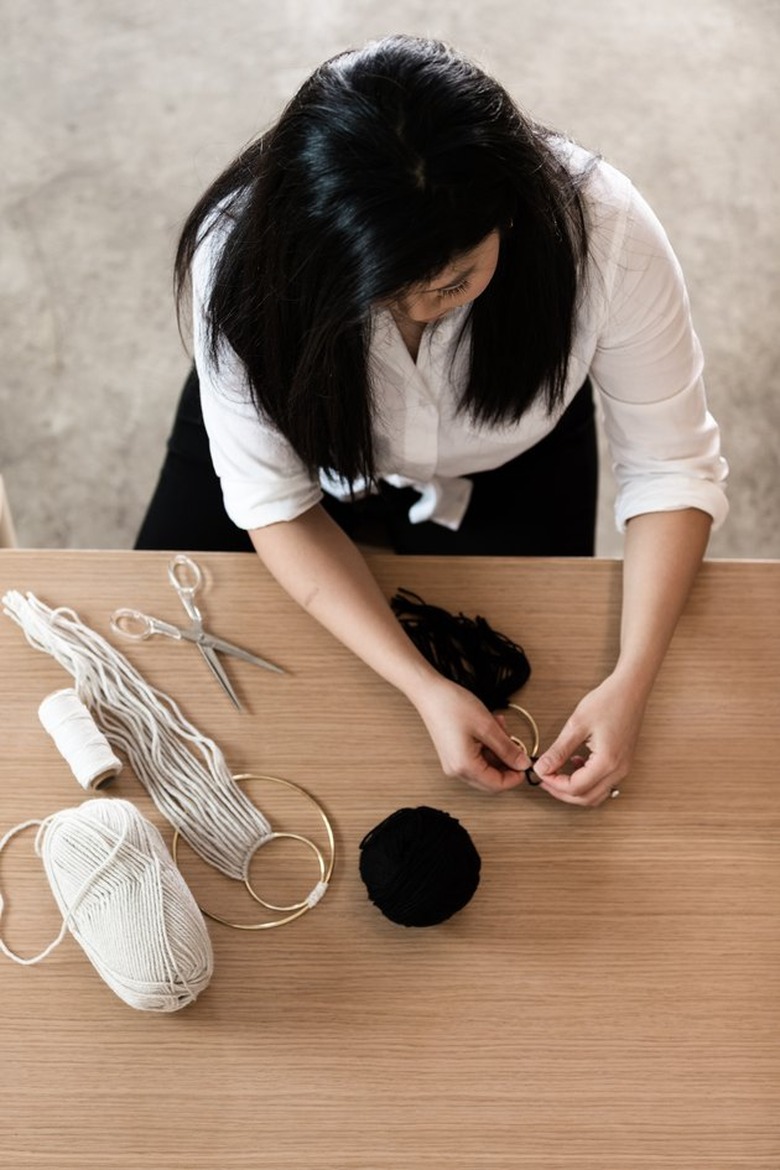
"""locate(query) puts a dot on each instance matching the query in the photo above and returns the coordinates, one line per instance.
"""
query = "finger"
(565, 777)
(558, 753)
(579, 791)
(488, 778)
(496, 779)
(588, 785)
(483, 785)
(505, 749)
(578, 782)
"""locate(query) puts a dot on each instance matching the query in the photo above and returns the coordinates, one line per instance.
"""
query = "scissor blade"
(237, 652)
(219, 674)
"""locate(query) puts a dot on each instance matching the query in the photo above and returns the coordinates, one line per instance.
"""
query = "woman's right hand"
(323, 570)
(471, 743)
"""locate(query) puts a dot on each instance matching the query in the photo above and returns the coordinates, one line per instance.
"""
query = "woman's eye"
(455, 290)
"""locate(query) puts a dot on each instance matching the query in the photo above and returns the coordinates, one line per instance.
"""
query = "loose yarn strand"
(4, 948)
(184, 772)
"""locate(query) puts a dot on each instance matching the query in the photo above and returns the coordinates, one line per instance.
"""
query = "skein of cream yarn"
(125, 903)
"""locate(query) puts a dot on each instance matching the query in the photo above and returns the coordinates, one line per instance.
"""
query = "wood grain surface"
(609, 1000)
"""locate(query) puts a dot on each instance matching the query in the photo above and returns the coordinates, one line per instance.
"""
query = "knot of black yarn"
(419, 866)
(466, 650)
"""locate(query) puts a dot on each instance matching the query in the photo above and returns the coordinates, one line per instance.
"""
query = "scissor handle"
(131, 623)
(185, 576)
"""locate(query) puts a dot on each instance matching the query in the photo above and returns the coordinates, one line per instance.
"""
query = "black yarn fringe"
(466, 650)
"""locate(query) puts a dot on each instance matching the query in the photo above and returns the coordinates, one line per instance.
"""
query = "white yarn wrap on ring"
(125, 903)
(185, 773)
(78, 739)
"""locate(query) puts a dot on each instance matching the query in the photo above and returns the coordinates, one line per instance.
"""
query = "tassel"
(466, 650)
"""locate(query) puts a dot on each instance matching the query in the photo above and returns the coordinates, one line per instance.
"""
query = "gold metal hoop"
(532, 724)
(295, 905)
(326, 868)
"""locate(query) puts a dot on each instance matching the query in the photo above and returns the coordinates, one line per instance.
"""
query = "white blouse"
(633, 337)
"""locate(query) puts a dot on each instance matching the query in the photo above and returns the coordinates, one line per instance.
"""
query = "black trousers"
(543, 503)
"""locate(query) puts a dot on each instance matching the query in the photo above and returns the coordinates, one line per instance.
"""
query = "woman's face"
(460, 282)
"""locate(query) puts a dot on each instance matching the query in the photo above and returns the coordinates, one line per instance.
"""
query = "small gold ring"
(529, 773)
(295, 905)
(532, 723)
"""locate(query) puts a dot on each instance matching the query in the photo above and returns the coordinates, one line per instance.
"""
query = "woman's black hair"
(388, 163)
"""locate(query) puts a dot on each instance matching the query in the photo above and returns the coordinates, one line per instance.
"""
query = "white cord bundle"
(184, 772)
(125, 903)
(78, 738)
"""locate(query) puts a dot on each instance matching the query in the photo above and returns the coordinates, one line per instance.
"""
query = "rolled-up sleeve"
(263, 480)
(647, 368)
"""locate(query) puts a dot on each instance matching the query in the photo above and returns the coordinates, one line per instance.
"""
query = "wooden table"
(609, 1000)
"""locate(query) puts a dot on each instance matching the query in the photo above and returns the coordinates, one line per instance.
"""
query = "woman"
(402, 294)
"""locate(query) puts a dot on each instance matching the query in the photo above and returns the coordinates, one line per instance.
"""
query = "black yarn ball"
(419, 866)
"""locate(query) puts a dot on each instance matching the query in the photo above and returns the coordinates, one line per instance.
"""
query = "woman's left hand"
(607, 721)
(663, 551)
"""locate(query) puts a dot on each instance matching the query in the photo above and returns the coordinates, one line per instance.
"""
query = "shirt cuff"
(250, 509)
(672, 495)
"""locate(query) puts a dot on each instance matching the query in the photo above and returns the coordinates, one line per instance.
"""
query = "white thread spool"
(79, 740)
(125, 903)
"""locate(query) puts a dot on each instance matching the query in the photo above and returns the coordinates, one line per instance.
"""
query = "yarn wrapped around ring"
(125, 903)
(420, 866)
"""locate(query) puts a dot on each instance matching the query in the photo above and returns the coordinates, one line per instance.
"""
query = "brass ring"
(529, 773)
(295, 905)
(303, 907)
(532, 723)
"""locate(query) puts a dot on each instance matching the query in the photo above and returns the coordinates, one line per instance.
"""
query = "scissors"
(186, 578)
